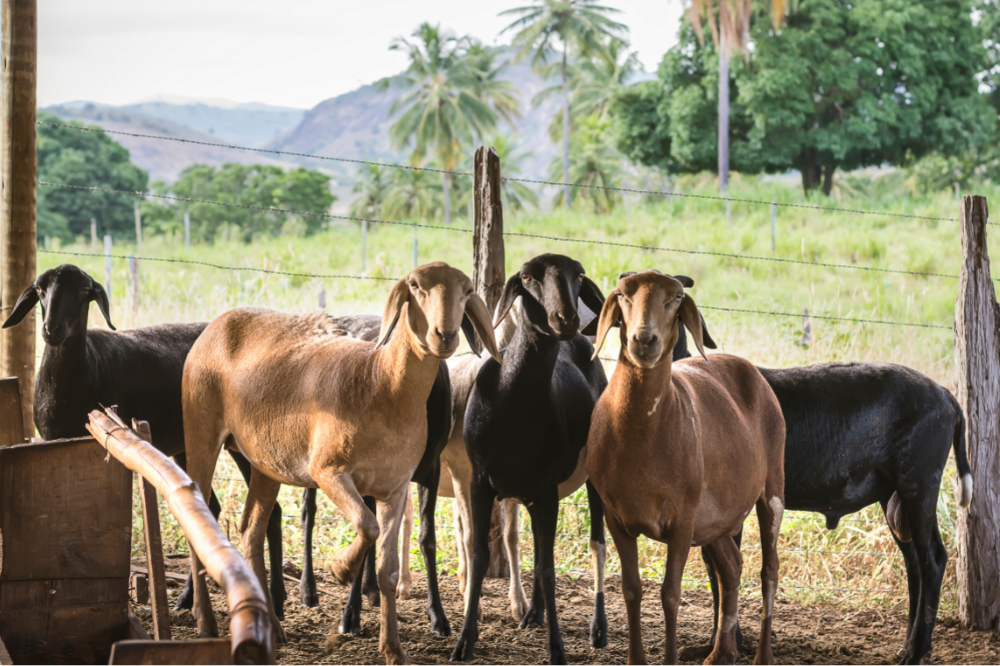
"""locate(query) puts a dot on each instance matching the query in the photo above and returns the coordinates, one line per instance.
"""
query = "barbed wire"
(523, 234)
(627, 190)
(826, 317)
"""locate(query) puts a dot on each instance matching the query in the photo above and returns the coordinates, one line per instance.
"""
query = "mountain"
(164, 160)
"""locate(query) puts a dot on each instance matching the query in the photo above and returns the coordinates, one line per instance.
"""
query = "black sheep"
(526, 424)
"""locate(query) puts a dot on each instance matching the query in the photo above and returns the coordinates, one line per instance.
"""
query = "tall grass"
(178, 292)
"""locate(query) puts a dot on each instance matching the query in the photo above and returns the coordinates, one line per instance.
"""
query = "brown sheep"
(681, 452)
(312, 408)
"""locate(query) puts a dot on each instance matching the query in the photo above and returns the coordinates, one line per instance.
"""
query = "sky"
(293, 53)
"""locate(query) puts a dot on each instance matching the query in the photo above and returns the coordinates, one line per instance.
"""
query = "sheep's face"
(550, 286)
(439, 299)
(648, 307)
(65, 293)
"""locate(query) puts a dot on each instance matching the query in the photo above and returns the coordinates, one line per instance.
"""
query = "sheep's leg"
(390, 514)
(274, 547)
(465, 535)
(544, 520)
(307, 584)
(534, 617)
(350, 618)
(405, 576)
(512, 540)
(185, 600)
(598, 555)
(729, 566)
(912, 581)
(260, 502)
(428, 548)
(460, 549)
(931, 560)
(483, 495)
(340, 488)
(678, 547)
(369, 577)
(713, 580)
(770, 509)
(628, 554)
(201, 469)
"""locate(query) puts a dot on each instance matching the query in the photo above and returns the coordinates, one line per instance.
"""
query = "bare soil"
(814, 634)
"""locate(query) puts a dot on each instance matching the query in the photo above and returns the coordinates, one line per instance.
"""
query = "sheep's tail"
(963, 484)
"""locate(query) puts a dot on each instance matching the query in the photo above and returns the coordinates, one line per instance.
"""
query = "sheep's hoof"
(599, 624)
(185, 600)
(518, 608)
(208, 633)
(464, 650)
(309, 598)
(439, 621)
(350, 621)
(534, 618)
(395, 655)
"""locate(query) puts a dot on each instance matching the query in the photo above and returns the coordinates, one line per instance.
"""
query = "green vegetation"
(84, 159)
(839, 87)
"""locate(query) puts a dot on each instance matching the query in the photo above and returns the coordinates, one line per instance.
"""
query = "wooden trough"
(65, 547)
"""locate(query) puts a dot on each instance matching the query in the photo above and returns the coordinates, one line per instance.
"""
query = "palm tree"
(410, 196)
(373, 186)
(447, 99)
(516, 195)
(596, 165)
(594, 82)
(734, 18)
(581, 25)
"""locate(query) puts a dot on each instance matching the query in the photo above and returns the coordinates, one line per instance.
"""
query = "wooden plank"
(18, 168)
(204, 651)
(11, 420)
(64, 512)
(154, 547)
(978, 364)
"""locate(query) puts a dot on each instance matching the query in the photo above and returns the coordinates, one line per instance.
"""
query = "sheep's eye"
(468, 294)
(526, 278)
(413, 284)
(580, 277)
(680, 297)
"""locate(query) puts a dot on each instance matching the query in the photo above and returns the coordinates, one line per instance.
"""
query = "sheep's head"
(439, 301)
(550, 286)
(65, 293)
(649, 308)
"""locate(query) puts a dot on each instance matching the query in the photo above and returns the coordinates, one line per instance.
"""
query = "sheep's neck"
(531, 349)
(404, 370)
(642, 392)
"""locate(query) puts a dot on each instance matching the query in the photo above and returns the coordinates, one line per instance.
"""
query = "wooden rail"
(249, 619)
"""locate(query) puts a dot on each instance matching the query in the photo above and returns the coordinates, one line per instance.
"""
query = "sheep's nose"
(573, 320)
(645, 338)
(446, 338)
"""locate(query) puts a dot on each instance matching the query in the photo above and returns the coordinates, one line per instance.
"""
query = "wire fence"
(561, 239)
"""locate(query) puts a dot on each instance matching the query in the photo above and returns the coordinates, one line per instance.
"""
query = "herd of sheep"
(675, 448)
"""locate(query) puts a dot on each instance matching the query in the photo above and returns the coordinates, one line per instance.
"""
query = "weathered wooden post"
(488, 278)
(18, 166)
(154, 547)
(138, 226)
(977, 359)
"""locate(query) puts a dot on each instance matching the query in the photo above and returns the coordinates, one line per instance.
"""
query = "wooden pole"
(978, 363)
(488, 279)
(93, 232)
(138, 227)
(154, 548)
(18, 167)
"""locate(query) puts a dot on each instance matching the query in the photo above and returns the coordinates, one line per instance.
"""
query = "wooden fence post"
(154, 547)
(18, 166)
(977, 359)
(488, 279)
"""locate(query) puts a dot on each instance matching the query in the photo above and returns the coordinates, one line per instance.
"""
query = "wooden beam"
(18, 175)
(11, 417)
(154, 548)
(978, 364)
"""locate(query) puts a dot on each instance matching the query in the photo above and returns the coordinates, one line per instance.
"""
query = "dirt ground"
(803, 635)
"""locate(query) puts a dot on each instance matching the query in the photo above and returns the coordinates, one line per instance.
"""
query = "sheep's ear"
(398, 297)
(706, 338)
(610, 315)
(98, 294)
(691, 318)
(25, 302)
(479, 315)
(592, 297)
(469, 330)
(684, 280)
(511, 291)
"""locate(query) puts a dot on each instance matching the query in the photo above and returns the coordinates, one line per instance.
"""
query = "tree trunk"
(565, 82)
(828, 171)
(810, 170)
(18, 195)
(977, 335)
(447, 197)
(723, 116)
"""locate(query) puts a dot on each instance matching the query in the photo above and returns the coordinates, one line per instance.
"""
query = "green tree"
(840, 86)
(86, 159)
(410, 196)
(447, 98)
(595, 165)
(372, 188)
(515, 195)
(582, 26)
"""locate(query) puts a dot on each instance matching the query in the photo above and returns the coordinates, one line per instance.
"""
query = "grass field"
(860, 556)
